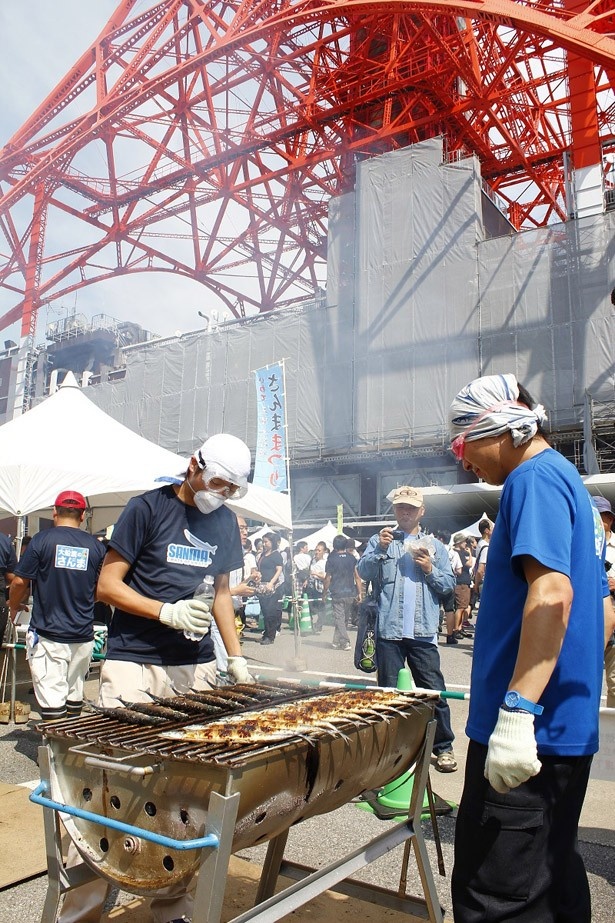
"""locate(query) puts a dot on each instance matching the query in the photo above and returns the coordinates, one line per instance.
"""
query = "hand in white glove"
(512, 757)
(238, 670)
(187, 615)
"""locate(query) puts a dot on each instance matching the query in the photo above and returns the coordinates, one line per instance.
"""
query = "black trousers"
(516, 855)
(423, 659)
(272, 613)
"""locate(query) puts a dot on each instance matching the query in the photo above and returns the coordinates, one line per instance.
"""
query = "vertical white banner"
(270, 468)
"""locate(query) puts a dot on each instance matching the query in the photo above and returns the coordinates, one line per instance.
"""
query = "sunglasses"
(458, 445)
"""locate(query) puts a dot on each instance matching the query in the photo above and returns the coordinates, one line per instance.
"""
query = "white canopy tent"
(326, 535)
(465, 501)
(68, 443)
(473, 529)
(258, 503)
(269, 506)
(267, 528)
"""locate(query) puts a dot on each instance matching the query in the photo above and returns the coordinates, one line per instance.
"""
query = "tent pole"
(299, 663)
(21, 528)
(13, 672)
(21, 523)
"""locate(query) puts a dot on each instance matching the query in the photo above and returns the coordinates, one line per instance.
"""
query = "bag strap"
(375, 585)
(478, 559)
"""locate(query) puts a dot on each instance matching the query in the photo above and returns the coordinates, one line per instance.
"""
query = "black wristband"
(521, 711)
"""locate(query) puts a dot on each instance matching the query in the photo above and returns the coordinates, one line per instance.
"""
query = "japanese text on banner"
(270, 462)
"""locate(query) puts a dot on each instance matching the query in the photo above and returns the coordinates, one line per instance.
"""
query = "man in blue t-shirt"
(536, 673)
(63, 565)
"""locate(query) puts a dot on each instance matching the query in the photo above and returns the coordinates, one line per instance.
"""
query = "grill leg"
(271, 867)
(418, 840)
(213, 871)
(53, 847)
(60, 880)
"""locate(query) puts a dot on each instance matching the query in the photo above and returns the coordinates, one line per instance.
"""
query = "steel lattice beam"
(225, 128)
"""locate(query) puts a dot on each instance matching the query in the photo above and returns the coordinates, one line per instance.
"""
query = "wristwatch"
(514, 700)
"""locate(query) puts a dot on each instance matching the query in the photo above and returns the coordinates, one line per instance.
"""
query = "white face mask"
(206, 501)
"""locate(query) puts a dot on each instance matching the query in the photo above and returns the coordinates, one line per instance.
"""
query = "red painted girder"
(229, 176)
(576, 32)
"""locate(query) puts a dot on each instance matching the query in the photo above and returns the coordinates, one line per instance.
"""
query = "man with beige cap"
(411, 571)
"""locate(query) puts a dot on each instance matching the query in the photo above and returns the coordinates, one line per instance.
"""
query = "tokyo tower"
(206, 137)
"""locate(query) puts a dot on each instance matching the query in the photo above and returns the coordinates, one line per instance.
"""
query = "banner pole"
(272, 470)
(298, 664)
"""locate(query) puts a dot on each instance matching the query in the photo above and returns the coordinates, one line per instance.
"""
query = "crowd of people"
(275, 578)
(180, 567)
(324, 574)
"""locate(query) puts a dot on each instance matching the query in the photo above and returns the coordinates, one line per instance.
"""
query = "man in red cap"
(63, 565)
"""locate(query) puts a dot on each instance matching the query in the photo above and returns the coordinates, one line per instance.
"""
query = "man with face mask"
(163, 545)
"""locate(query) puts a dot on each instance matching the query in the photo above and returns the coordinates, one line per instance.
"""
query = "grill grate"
(114, 728)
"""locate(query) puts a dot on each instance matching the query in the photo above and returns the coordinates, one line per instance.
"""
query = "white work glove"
(237, 670)
(187, 615)
(512, 757)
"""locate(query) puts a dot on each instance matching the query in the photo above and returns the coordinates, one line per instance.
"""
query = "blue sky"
(39, 42)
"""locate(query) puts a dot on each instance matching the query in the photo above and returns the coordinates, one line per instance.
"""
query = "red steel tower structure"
(206, 137)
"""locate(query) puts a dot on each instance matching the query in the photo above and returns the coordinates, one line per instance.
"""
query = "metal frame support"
(60, 880)
(335, 877)
(270, 907)
(213, 871)
(216, 853)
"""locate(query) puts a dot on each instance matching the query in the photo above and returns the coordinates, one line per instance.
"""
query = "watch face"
(512, 699)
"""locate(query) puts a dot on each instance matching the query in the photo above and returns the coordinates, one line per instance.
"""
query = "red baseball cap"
(70, 498)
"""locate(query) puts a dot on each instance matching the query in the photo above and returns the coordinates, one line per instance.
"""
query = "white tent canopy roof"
(465, 501)
(265, 505)
(263, 531)
(68, 443)
(472, 529)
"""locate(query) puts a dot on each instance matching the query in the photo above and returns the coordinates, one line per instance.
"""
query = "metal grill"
(136, 732)
(146, 811)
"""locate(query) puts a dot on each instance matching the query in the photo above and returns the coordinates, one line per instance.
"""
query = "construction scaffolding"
(419, 301)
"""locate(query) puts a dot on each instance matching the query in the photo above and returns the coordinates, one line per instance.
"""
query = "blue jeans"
(516, 855)
(424, 662)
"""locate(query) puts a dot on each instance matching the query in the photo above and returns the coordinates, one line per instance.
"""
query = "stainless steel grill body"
(139, 778)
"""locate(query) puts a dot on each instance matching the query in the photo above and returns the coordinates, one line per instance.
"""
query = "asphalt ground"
(324, 839)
